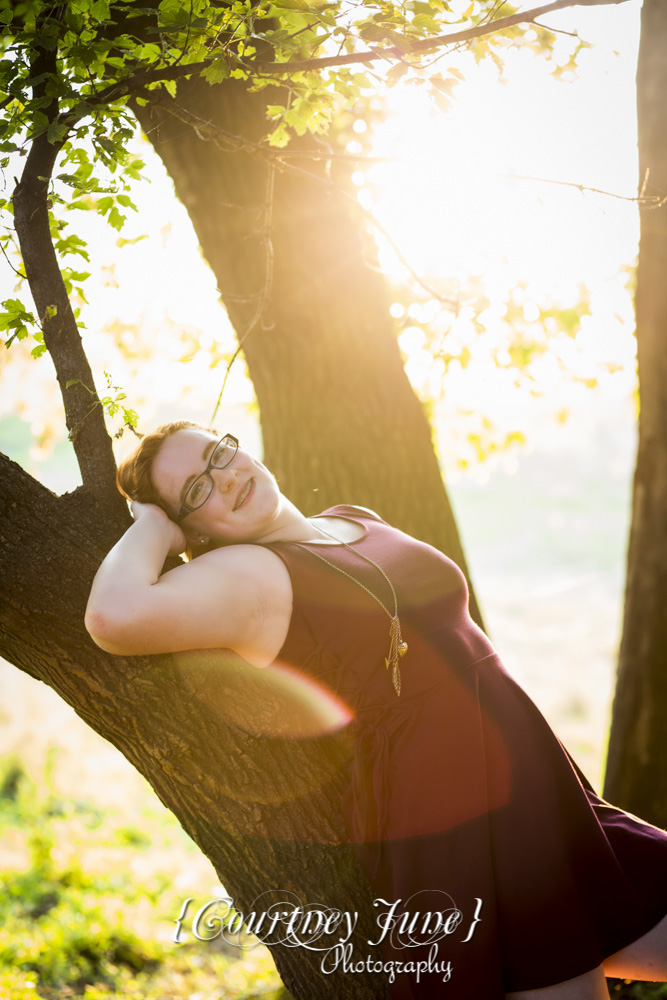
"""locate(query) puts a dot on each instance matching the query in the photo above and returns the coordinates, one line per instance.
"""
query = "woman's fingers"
(139, 509)
(177, 541)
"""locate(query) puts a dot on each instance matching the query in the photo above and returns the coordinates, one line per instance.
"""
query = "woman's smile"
(244, 493)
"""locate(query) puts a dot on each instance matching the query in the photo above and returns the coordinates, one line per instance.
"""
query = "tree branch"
(137, 82)
(425, 44)
(642, 200)
(85, 424)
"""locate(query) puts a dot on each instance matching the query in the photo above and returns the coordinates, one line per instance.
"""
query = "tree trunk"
(637, 763)
(340, 421)
(204, 729)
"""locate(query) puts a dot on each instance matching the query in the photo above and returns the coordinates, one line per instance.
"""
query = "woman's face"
(245, 500)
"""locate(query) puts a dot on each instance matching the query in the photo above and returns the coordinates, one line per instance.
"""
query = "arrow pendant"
(397, 649)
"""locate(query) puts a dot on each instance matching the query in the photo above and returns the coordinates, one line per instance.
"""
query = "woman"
(458, 786)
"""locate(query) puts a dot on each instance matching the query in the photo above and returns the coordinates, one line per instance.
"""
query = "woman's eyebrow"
(190, 480)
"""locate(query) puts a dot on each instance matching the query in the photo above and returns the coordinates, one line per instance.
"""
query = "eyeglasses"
(198, 492)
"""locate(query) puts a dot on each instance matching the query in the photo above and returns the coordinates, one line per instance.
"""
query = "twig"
(14, 269)
(556, 31)
(644, 201)
(266, 288)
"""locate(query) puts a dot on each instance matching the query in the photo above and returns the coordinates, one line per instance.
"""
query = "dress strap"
(353, 508)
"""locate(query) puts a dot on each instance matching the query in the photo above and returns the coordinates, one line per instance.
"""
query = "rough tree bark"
(340, 421)
(637, 763)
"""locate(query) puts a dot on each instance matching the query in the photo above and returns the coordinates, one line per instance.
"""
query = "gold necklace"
(397, 647)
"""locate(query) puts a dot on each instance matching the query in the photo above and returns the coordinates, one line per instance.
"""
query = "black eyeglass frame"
(187, 508)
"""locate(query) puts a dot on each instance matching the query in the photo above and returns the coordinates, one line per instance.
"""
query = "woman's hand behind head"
(177, 540)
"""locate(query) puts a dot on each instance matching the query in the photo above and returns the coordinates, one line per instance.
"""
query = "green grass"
(623, 989)
(71, 930)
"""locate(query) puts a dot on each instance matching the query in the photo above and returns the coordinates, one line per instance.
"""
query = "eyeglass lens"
(201, 489)
(223, 454)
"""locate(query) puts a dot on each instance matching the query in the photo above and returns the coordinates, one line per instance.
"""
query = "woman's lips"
(244, 494)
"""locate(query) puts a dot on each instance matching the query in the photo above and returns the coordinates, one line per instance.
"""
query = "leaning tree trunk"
(204, 729)
(340, 421)
(637, 763)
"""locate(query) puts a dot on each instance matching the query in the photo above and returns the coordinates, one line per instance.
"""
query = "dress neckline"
(338, 544)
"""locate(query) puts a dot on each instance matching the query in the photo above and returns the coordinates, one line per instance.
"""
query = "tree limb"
(425, 44)
(138, 82)
(83, 412)
(642, 200)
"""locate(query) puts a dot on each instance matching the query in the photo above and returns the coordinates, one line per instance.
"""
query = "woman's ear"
(196, 539)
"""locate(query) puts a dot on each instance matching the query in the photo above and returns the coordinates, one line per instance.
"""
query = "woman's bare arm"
(226, 597)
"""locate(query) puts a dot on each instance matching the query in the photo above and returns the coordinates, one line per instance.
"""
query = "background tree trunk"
(204, 729)
(340, 421)
(637, 764)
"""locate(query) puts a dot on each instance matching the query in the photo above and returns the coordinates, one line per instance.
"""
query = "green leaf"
(327, 17)
(279, 137)
(443, 102)
(301, 5)
(396, 72)
(72, 244)
(56, 133)
(122, 242)
(373, 33)
(116, 220)
(70, 275)
(444, 86)
(173, 12)
(100, 10)
(15, 320)
(299, 124)
(427, 24)
(217, 71)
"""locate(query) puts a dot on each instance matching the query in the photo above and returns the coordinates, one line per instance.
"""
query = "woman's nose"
(224, 479)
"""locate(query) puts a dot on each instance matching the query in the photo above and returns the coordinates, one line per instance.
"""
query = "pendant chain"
(397, 648)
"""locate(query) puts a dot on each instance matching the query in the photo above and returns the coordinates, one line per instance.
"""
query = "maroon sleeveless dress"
(461, 800)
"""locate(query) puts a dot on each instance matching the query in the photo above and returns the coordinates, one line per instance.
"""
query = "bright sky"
(452, 204)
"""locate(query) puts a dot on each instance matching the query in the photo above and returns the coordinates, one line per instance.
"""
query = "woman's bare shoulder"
(244, 558)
